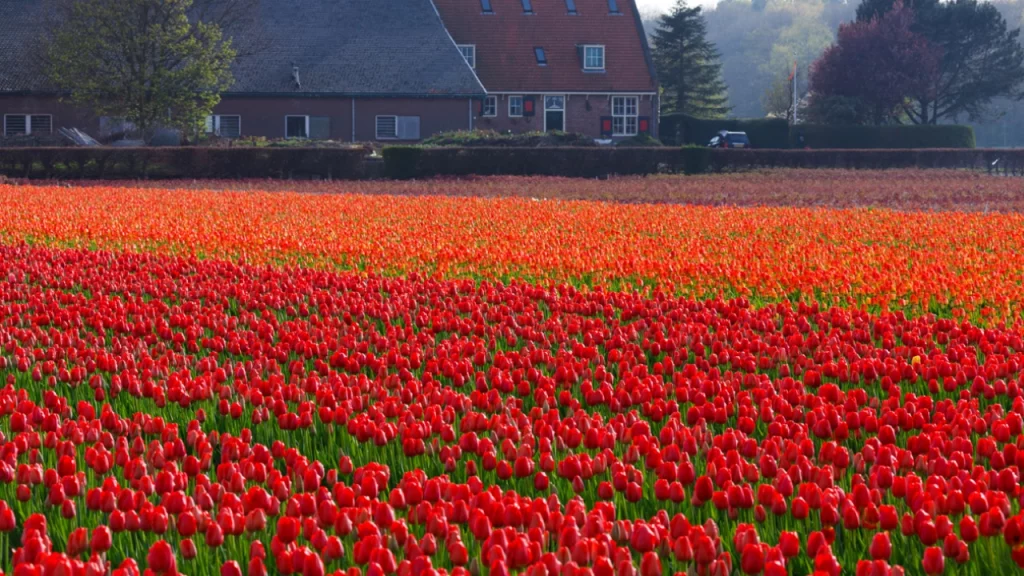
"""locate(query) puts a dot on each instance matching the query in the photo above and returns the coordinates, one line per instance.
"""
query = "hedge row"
(776, 133)
(888, 137)
(680, 129)
(404, 162)
(183, 162)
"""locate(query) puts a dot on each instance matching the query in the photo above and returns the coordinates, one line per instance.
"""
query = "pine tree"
(687, 65)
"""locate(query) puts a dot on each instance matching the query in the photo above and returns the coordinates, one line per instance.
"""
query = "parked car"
(726, 139)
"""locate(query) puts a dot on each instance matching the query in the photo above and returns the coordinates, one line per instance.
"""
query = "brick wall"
(63, 114)
(266, 116)
(583, 115)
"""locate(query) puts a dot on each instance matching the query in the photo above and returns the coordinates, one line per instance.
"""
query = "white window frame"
(512, 99)
(213, 123)
(471, 60)
(624, 109)
(287, 116)
(28, 122)
(565, 104)
(587, 47)
(491, 104)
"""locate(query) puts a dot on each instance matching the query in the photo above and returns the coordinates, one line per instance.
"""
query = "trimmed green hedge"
(183, 162)
(681, 129)
(589, 162)
(401, 162)
(776, 133)
(884, 137)
(416, 162)
(490, 138)
(404, 162)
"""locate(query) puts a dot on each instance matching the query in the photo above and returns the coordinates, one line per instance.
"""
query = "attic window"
(593, 57)
(469, 53)
(542, 58)
(570, 7)
(485, 5)
(527, 7)
(613, 7)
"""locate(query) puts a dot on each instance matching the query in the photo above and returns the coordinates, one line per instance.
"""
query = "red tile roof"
(505, 42)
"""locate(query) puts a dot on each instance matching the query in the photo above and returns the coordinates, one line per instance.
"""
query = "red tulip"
(188, 549)
(968, 529)
(256, 567)
(881, 547)
(160, 558)
(7, 522)
(752, 559)
(214, 535)
(78, 541)
(933, 561)
(230, 568)
(789, 543)
(287, 529)
(101, 540)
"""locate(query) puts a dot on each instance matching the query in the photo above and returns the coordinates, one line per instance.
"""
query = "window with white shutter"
(15, 124)
(41, 123)
(320, 127)
(387, 127)
(26, 124)
(408, 127)
(398, 127)
(224, 125)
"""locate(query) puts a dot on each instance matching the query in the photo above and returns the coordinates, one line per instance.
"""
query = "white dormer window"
(469, 53)
(593, 57)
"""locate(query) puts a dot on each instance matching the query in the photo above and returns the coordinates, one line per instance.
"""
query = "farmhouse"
(574, 65)
(400, 70)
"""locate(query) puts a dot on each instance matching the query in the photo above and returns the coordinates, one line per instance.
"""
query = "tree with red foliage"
(872, 69)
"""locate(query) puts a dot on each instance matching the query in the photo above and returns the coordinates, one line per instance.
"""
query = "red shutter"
(480, 107)
(528, 106)
(606, 126)
(644, 125)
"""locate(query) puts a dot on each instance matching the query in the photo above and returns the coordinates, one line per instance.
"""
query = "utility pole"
(794, 92)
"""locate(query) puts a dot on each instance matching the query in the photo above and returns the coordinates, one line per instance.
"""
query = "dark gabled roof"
(21, 28)
(379, 47)
(340, 47)
(505, 40)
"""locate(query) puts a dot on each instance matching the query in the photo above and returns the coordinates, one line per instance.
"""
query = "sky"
(663, 5)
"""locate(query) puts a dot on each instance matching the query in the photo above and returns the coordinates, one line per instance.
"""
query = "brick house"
(350, 70)
(574, 65)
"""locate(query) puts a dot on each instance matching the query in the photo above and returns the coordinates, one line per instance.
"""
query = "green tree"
(149, 62)
(777, 100)
(802, 42)
(982, 58)
(687, 65)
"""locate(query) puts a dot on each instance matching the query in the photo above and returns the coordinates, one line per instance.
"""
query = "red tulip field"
(252, 382)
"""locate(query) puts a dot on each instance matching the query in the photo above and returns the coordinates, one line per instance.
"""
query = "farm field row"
(954, 264)
(906, 190)
(456, 381)
(177, 415)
